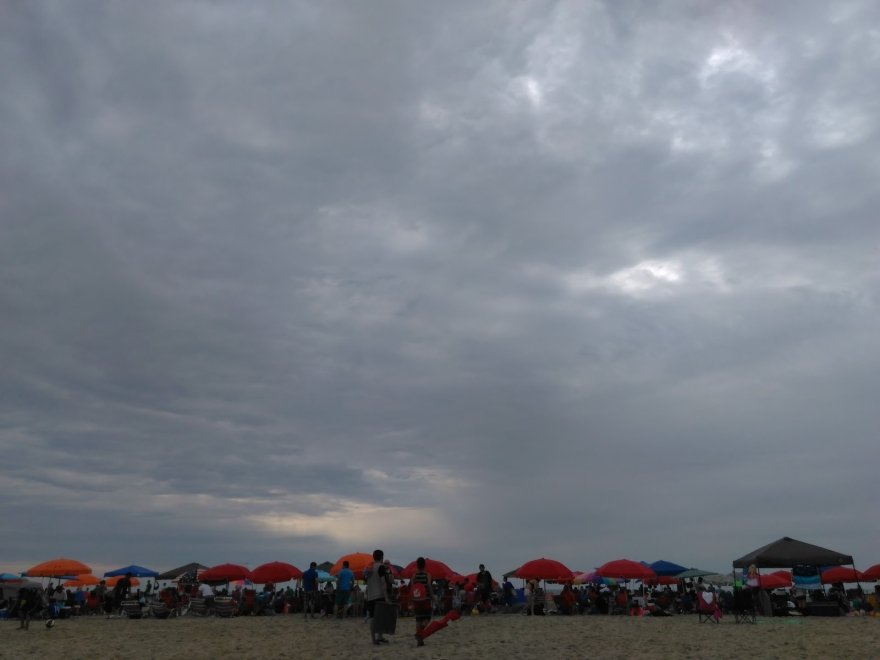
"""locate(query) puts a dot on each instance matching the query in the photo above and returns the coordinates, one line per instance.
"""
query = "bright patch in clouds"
(733, 58)
(355, 524)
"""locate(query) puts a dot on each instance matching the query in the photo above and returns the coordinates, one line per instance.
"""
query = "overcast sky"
(481, 281)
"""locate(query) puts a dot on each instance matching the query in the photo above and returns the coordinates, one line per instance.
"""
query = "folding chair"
(131, 609)
(744, 606)
(224, 606)
(708, 608)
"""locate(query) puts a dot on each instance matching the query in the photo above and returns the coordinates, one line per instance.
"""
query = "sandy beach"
(495, 636)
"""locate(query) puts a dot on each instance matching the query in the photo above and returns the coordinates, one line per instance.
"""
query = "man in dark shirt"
(310, 590)
(121, 590)
(484, 588)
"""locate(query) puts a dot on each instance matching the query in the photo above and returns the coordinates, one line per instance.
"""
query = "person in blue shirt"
(310, 590)
(344, 582)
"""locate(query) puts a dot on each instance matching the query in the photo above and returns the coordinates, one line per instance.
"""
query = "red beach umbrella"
(544, 569)
(436, 569)
(58, 568)
(841, 574)
(225, 573)
(872, 573)
(275, 571)
(625, 569)
(775, 580)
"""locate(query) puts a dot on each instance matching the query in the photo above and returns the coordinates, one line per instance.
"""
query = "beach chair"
(743, 606)
(159, 610)
(131, 609)
(248, 602)
(708, 608)
(197, 606)
(93, 604)
(621, 604)
(224, 606)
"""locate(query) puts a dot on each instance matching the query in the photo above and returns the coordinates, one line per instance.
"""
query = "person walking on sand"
(378, 590)
(422, 598)
(344, 581)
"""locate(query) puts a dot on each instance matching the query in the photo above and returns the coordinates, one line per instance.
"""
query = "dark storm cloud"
(562, 279)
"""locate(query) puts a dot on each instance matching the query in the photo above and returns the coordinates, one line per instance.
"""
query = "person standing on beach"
(422, 598)
(344, 582)
(121, 591)
(484, 588)
(378, 590)
(310, 590)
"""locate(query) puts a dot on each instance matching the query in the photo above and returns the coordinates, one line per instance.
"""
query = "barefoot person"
(378, 590)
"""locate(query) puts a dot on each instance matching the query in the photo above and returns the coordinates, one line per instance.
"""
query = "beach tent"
(788, 552)
(136, 571)
(191, 570)
(9, 588)
(665, 568)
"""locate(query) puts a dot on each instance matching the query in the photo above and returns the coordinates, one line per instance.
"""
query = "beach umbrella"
(111, 581)
(775, 580)
(136, 571)
(357, 562)
(694, 573)
(544, 569)
(841, 574)
(85, 580)
(275, 571)
(225, 573)
(324, 576)
(625, 569)
(60, 567)
(9, 577)
(872, 573)
(592, 578)
(435, 568)
(665, 568)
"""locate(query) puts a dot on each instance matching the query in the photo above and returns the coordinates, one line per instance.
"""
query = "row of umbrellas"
(79, 574)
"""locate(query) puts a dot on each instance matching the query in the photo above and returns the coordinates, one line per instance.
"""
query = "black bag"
(385, 614)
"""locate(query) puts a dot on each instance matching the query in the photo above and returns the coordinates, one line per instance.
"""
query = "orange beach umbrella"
(85, 580)
(357, 562)
(58, 568)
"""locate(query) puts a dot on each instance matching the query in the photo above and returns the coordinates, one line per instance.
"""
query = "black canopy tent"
(175, 573)
(788, 552)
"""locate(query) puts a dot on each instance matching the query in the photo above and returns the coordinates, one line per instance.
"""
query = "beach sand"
(494, 636)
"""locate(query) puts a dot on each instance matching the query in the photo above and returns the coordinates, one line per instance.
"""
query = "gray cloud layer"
(484, 282)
